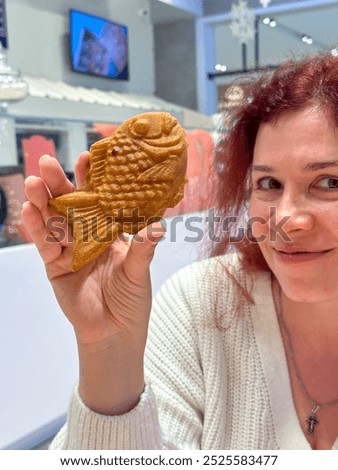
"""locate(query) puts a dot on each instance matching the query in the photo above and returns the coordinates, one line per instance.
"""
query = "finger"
(37, 193)
(80, 169)
(45, 242)
(141, 251)
(54, 176)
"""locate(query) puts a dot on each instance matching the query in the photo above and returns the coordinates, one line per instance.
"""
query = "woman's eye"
(266, 184)
(328, 183)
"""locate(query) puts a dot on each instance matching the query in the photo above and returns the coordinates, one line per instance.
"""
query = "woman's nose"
(293, 213)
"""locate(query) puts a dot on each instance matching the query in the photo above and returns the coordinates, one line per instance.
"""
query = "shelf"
(50, 100)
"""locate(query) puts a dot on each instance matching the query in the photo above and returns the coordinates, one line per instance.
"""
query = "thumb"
(141, 251)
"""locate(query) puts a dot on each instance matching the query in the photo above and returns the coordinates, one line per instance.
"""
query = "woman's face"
(294, 203)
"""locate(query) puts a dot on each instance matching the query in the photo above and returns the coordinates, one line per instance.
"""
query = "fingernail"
(45, 156)
(156, 238)
(31, 178)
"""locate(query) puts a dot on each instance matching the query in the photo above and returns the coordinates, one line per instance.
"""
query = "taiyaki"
(132, 177)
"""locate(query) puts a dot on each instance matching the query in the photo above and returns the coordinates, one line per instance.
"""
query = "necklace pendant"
(312, 420)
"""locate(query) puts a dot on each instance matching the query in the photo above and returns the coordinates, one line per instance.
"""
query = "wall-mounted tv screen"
(98, 46)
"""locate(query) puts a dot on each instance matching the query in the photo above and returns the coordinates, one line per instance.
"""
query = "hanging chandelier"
(12, 87)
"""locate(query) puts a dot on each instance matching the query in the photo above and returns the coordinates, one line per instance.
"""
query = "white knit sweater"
(207, 387)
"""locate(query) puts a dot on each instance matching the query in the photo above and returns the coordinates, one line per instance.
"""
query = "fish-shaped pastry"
(132, 177)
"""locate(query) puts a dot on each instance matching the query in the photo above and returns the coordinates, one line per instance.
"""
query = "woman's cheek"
(259, 222)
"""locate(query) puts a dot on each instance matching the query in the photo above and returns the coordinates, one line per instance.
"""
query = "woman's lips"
(299, 257)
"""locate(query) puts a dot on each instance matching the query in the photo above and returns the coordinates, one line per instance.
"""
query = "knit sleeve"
(87, 430)
(170, 411)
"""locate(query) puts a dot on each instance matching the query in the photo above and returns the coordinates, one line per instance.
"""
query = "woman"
(242, 350)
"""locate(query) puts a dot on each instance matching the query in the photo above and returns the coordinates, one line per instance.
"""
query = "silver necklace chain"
(312, 419)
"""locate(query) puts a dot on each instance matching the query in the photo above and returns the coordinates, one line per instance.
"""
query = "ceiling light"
(307, 39)
(270, 22)
(220, 67)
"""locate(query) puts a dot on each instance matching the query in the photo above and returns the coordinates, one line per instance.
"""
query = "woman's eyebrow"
(314, 166)
(311, 166)
(262, 168)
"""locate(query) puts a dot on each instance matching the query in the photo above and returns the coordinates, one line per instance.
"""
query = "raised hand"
(108, 301)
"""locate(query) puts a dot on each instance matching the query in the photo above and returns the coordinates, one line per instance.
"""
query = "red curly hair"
(296, 84)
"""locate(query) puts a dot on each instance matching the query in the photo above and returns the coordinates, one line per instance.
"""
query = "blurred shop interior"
(70, 72)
